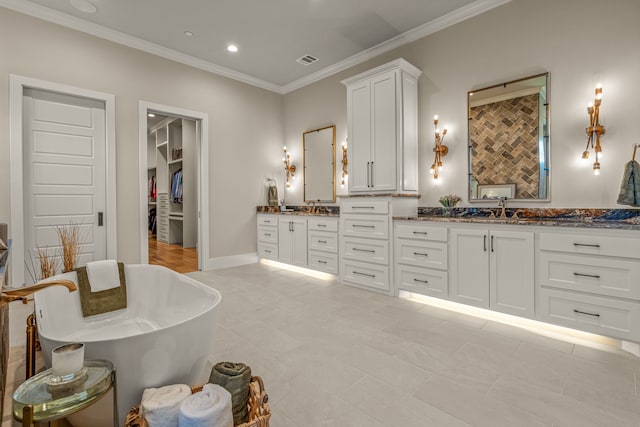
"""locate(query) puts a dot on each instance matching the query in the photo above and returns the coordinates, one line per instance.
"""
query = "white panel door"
(384, 132)
(64, 172)
(470, 267)
(359, 146)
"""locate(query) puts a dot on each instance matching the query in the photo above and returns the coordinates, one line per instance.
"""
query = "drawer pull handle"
(584, 312)
(321, 262)
(267, 221)
(421, 254)
(322, 225)
(364, 250)
(594, 276)
(364, 207)
(267, 251)
(421, 281)
(587, 245)
(363, 226)
(322, 241)
(364, 274)
(267, 234)
(420, 232)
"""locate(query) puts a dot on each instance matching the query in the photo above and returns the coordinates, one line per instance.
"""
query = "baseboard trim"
(230, 261)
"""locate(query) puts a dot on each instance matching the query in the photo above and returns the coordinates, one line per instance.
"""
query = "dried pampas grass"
(69, 236)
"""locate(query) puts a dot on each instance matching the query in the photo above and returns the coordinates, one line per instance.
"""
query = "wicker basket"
(259, 411)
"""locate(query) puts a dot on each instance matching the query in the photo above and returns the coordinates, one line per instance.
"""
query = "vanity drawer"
(365, 275)
(367, 250)
(323, 241)
(322, 224)
(372, 226)
(268, 250)
(591, 244)
(591, 273)
(591, 313)
(271, 220)
(365, 207)
(415, 230)
(267, 234)
(422, 254)
(423, 281)
(323, 261)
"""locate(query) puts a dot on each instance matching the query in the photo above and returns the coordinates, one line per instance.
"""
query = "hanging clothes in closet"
(153, 192)
(176, 187)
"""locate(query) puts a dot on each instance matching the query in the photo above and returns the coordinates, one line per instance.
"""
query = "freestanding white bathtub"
(164, 336)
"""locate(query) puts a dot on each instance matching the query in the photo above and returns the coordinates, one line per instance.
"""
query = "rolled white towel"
(210, 407)
(103, 275)
(160, 406)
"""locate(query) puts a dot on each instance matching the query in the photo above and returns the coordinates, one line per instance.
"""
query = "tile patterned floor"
(333, 355)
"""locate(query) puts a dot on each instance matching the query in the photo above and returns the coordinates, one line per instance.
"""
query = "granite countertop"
(622, 219)
(328, 211)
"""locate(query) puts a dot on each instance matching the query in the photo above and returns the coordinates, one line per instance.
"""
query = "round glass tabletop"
(50, 400)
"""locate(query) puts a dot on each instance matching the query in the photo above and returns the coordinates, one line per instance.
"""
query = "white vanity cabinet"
(292, 240)
(590, 280)
(268, 236)
(493, 268)
(421, 258)
(382, 113)
(323, 244)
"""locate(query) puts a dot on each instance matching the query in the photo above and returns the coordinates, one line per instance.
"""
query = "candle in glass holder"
(67, 359)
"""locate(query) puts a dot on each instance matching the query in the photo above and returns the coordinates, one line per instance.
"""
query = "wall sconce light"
(345, 162)
(440, 149)
(288, 167)
(595, 130)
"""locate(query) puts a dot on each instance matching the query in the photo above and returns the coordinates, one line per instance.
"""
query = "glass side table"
(40, 399)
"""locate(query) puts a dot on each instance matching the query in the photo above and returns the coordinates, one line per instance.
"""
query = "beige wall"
(580, 42)
(245, 122)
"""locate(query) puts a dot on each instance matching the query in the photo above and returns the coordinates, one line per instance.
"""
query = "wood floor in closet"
(175, 257)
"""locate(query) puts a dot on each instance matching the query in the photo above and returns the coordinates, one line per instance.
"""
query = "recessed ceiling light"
(84, 6)
(188, 33)
(232, 48)
(150, 115)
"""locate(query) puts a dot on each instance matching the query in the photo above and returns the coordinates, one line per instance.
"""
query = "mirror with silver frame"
(509, 140)
(319, 148)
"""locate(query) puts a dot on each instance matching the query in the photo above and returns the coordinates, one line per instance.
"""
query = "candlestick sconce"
(595, 130)
(290, 169)
(440, 149)
(345, 162)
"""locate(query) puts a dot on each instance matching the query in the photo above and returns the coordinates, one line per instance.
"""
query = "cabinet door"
(359, 152)
(285, 242)
(384, 131)
(299, 242)
(511, 281)
(470, 267)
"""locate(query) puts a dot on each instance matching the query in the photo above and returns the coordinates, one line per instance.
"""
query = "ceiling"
(270, 35)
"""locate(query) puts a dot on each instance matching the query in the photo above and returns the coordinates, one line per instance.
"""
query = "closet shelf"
(175, 218)
(153, 203)
(174, 161)
(162, 144)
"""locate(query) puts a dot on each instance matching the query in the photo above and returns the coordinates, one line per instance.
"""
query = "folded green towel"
(630, 186)
(93, 303)
(235, 378)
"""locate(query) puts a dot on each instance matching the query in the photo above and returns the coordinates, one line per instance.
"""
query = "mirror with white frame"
(509, 140)
(319, 147)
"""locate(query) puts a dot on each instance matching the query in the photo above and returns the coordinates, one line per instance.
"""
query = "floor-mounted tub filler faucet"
(9, 295)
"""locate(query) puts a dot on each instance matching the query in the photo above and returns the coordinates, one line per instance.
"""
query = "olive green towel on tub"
(235, 378)
(93, 303)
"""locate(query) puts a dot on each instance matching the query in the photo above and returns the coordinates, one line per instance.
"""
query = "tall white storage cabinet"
(382, 116)
(174, 143)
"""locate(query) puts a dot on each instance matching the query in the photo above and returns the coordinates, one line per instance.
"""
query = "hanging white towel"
(160, 406)
(210, 407)
(103, 275)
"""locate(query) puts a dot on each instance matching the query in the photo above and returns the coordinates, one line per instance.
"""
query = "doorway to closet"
(173, 180)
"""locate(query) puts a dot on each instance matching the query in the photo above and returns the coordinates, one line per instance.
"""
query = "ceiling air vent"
(306, 60)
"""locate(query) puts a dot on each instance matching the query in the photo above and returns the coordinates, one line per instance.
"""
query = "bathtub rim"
(99, 318)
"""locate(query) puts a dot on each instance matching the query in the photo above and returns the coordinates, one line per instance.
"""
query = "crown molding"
(69, 21)
(476, 8)
(78, 24)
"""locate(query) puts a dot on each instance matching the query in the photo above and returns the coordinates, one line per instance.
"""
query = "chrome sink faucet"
(502, 203)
